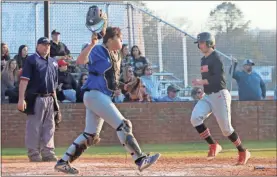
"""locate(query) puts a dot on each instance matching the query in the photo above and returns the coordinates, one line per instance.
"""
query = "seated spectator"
(150, 82)
(138, 61)
(126, 57)
(9, 80)
(58, 49)
(197, 94)
(21, 56)
(126, 77)
(132, 87)
(5, 55)
(67, 84)
(171, 95)
(79, 91)
(251, 86)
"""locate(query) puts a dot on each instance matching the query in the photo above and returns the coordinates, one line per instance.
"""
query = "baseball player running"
(217, 100)
(102, 84)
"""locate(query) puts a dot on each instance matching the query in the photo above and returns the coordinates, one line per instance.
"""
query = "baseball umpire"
(217, 100)
(37, 99)
(103, 84)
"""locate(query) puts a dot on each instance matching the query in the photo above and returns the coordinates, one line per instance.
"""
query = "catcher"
(103, 84)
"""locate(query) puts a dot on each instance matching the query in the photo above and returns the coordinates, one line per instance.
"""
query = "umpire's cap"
(43, 40)
(206, 37)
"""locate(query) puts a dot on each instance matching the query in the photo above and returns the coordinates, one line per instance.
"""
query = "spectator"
(138, 61)
(5, 55)
(21, 56)
(79, 91)
(132, 87)
(58, 49)
(67, 84)
(9, 79)
(126, 77)
(197, 93)
(251, 86)
(171, 95)
(126, 57)
(150, 82)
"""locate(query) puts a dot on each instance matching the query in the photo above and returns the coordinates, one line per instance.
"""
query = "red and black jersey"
(212, 69)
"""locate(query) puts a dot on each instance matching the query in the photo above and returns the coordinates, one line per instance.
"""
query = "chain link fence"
(175, 57)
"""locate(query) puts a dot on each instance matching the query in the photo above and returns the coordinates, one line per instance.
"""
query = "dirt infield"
(165, 167)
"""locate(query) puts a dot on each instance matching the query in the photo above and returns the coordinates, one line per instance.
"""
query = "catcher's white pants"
(220, 105)
(100, 108)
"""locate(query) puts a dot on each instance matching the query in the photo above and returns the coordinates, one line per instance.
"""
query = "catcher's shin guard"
(80, 145)
(126, 137)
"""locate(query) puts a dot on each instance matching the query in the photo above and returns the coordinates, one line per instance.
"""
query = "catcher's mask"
(96, 21)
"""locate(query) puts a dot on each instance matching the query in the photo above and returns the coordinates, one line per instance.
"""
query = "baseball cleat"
(148, 161)
(243, 157)
(65, 167)
(213, 151)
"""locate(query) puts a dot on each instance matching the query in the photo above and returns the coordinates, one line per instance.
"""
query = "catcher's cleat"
(243, 157)
(65, 167)
(148, 161)
(214, 150)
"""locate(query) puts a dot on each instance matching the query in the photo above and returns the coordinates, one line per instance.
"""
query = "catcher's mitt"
(96, 21)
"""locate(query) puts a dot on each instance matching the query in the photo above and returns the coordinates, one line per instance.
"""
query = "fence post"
(160, 49)
(185, 61)
(129, 25)
(231, 74)
(46, 19)
(36, 23)
(107, 12)
(133, 26)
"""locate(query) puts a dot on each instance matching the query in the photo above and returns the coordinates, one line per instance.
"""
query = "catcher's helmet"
(206, 37)
(96, 21)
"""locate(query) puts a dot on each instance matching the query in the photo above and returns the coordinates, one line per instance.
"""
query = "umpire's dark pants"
(40, 128)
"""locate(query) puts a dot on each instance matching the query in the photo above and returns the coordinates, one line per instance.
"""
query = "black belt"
(87, 90)
(44, 94)
(95, 73)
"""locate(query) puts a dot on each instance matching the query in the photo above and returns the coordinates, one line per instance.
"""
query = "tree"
(226, 18)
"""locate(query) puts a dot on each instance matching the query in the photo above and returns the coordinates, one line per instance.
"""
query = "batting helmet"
(96, 21)
(206, 37)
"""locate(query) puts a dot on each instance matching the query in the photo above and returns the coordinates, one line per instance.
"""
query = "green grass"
(258, 149)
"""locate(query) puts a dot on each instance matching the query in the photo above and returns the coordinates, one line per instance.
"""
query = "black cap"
(43, 40)
(55, 32)
(172, 88)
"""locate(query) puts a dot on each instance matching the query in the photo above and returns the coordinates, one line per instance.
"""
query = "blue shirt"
(42, 74)
(99, 62)
(251, 87)
(168, 99)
